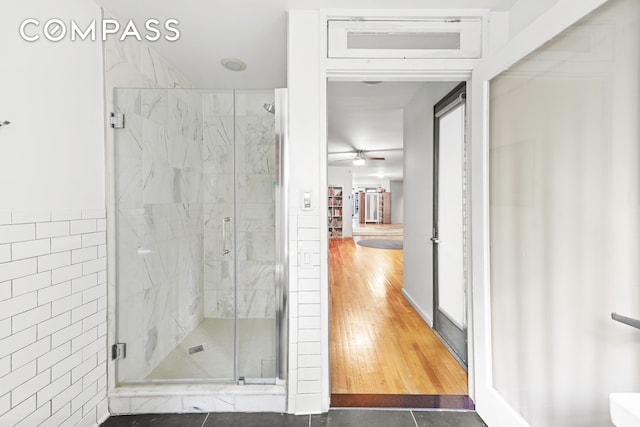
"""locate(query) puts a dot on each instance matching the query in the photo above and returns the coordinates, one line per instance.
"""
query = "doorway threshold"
(413, 401)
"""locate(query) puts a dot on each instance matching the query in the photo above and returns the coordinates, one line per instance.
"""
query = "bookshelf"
(335, 210)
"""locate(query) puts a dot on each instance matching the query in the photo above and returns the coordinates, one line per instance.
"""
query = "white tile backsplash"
(93, 239)
(15, 342)
(5, 403)
(5, 218)
(30, 249)
(85, 254)
(19, 412)
(5, 328)
(5, 253)
(63, 274)
(27, 285)
(17, 305)
(53, 357)
(305, 331)
(52, 229)
(66, 215)
(15, 269)
(30, 318)
(50, 262)
(5, 290)
(52, 353)
(65, 243)
(17, 233)
(84, 226)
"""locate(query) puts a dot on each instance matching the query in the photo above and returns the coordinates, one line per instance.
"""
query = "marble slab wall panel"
(159, 183)
(197, 398)
(255, 228)
(239, 154)
(219, 179)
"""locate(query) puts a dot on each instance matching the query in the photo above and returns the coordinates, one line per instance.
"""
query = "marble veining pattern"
(254, 158)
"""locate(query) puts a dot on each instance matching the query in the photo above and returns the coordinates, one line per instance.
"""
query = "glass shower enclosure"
(199, 265)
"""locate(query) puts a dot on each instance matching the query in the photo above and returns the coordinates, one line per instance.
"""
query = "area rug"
(381, 243)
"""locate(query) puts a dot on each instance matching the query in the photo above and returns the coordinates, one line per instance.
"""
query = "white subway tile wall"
(305, 348)
(53, 344)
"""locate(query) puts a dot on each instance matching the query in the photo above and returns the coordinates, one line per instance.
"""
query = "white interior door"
(555, 217)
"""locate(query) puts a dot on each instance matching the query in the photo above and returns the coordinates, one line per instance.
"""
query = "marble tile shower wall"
(53, 327)
(256, 256)
(254, 219)
(159, 191)
(218, 166)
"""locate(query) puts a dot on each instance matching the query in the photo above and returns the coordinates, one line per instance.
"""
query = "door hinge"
(118, 351)
(116, 120)
(434, 236)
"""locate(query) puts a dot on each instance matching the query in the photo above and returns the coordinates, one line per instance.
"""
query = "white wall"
(397, 201)
(418, 209)
(342, 176)
(565, 219)
(308, 388)
(524, 12)
(52, 223)
(52, 154)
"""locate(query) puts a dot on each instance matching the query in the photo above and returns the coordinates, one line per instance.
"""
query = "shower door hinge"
(116, 120)
(118, 351)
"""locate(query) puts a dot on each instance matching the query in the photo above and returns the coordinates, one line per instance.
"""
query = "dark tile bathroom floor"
(334, 418)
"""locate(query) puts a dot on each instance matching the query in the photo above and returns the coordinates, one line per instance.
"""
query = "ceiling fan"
(360, 156)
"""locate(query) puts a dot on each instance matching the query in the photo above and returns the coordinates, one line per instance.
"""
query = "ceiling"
(363, 117)
(251, 30)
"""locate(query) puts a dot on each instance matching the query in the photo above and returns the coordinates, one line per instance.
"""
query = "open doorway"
(381, 183)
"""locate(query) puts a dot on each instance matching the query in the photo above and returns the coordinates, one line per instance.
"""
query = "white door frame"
(420, 70)
(490, 405)
(424, 76)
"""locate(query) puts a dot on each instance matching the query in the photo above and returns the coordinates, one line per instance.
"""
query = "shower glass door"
(255, 235)
(195, 185)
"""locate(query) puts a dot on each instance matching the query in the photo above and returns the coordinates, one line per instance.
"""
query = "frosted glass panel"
(450, 263)
(564, 210)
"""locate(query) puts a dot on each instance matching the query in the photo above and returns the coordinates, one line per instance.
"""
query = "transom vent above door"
(405, 39)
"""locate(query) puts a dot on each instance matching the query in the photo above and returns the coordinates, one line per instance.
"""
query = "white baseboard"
(422, 314)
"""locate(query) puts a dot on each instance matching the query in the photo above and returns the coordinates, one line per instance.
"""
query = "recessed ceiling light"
(372, 83)
(233, 64)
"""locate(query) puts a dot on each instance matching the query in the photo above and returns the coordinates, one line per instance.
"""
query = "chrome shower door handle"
(225, 250)
(435, 240)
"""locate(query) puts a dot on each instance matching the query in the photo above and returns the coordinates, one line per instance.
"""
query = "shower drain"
(196, 349)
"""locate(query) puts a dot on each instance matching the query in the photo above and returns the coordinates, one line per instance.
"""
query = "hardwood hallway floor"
(379, 344)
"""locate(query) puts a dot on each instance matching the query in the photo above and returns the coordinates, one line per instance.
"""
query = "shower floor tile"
(256, 352)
